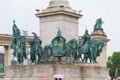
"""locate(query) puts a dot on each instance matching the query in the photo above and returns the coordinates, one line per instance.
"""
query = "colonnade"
(5, 41)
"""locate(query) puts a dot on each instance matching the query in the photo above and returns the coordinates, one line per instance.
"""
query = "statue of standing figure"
(15, 34)
(35, 49)
(18, 45)
(98, 24)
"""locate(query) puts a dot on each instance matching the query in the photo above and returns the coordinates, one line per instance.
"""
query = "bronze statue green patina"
(86, 37)
(90, 49)
(15, 34)
(20, 50)
(96, 47)
(1, 68)
(83, 47)
(71, 51)
(98, 24)
(18, 45)
(58, 46)
(23, 42)
(59, 32)
(35, 49)
(46, 54)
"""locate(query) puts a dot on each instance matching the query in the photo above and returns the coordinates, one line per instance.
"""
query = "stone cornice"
(105, 39)
(5, 39)
(58, 12)
(99, 34)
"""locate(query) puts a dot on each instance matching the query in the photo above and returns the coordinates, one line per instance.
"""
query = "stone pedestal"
(58, 15)
(47, 72)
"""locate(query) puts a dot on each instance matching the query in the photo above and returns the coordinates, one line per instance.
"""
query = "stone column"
(7, 56)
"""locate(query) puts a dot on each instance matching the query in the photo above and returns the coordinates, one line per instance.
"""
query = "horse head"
(73, 43)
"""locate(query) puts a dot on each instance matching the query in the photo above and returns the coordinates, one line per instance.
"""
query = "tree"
(112, 62)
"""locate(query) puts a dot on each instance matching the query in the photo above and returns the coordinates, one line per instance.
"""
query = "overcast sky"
(23, 12)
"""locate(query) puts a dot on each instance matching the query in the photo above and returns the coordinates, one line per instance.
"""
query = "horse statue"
(35, 49)
(96, 48)
(58, 46)
(83, 48)
(71, 50)
(20, 50)
(46, 53)
(90, 49)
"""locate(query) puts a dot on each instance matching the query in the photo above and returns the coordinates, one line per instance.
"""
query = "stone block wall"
(47, 72)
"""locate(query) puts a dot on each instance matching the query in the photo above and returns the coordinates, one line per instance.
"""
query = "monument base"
(48, 72)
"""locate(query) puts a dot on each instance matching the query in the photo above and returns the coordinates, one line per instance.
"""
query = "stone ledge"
(70, 72)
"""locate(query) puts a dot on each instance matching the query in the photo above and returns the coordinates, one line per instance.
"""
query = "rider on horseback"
(18, 45)
(86, 37)
(35, 49)
(83, 47)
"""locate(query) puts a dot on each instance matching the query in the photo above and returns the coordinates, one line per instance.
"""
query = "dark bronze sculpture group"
(86, 50)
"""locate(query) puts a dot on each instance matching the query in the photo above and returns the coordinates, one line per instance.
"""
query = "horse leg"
(21, 59)
(38, 61)
(67, 56)
(55, 60)
(90, 59)
(76, 57)
(70, 57)
(59, 58)
(46, 59)
(86, 58)
(95, 60)
(18, 60)
(66, 59)
(35, 60)
(80, 57)
(91, 55)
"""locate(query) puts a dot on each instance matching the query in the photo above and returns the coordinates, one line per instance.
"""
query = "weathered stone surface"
(58, 15)
(49, 25)
(47, 72)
